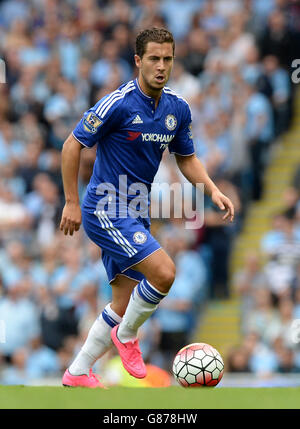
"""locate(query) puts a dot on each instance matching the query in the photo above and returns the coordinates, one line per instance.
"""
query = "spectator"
(13, 215)
(197, 48)
(247, 282)
(237, 360)
(69, 51)
(286, 361)
(259, 130)
(240, 41)
(45, 205)
(42, 361)
(277, 39)
(11, 148)
(286, 357)
(262, 317)
(296, 295)
(62, 110)
(262, 360)
(20, 315)
(54, 322)
(251, 68)
(101, 70)
(95, 271)
(218, 237)
(122, 35)
(296, 179)
(183, 83)
(29, 167)
(281, 92)
(213, 149)
(212, 20)
(274, 235)
(16, 373)
(284, 258)
(178, 15)
(68, 280)
(282, 328)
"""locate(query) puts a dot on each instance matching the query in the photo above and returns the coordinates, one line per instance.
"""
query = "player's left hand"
(223, 203)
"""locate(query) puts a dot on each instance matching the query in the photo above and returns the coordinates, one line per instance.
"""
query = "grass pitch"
(23, 397)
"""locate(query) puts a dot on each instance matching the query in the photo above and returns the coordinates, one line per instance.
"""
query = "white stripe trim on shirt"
(116, 99)
(112, 96)
(170, 91)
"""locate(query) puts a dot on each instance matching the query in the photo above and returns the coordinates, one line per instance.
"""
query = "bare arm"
(195, 172)
(71, 215)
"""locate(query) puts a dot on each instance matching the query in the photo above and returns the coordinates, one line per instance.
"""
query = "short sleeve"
(93, 125)
(183, 144)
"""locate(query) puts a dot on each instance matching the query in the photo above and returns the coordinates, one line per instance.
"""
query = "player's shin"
(143, 302)
(98, 342)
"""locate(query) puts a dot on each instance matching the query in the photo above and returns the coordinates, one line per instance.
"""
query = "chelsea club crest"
(139, 237)
(171, 122)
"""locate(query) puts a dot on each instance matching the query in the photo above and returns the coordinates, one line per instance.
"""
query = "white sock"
(143, 302)
(98, 342)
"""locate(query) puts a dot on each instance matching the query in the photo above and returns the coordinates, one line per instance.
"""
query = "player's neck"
(150, 92)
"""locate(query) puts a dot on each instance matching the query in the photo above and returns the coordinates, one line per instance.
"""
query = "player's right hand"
(70, 218)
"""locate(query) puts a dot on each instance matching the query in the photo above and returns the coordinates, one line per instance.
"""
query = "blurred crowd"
(233, 66)
(269, 288)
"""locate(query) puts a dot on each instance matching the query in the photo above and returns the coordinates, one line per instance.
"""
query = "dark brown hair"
(157, 35)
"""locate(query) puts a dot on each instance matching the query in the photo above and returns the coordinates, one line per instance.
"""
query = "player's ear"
(137, 60)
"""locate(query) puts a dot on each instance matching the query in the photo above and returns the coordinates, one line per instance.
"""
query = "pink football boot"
(130, 355)
(83, 380)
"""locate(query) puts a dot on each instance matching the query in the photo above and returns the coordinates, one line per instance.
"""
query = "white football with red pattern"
(197, 365)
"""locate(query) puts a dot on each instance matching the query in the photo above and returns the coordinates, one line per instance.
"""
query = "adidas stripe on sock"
(143, 302)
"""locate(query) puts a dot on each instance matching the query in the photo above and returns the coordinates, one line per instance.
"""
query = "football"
(197, 365)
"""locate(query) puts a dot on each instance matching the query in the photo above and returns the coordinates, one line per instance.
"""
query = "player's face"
(155, 66)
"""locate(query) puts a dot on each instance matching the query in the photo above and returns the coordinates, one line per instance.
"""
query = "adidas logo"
(137, 120)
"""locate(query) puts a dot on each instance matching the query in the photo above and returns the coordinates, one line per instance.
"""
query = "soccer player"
(132, 127)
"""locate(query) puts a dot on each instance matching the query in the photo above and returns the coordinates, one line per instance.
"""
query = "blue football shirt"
(131, 136)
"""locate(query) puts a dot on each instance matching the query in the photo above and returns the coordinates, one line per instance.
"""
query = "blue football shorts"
(123, 241)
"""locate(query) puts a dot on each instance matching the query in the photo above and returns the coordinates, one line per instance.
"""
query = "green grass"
(21, 397)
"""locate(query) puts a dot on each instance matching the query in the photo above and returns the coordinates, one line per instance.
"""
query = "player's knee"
(164, 278)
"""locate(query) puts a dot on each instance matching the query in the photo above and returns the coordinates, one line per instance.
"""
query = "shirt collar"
(143, 95)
